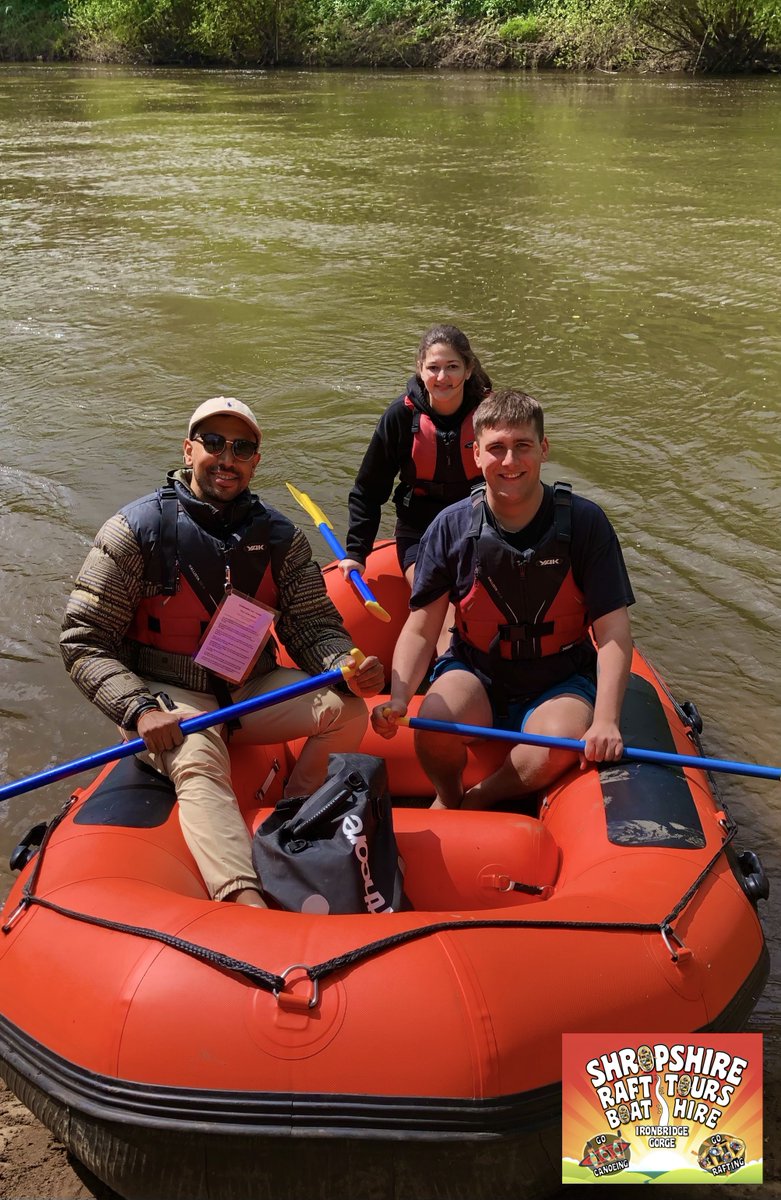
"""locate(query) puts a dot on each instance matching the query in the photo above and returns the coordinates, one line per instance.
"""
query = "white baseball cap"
(223, 406)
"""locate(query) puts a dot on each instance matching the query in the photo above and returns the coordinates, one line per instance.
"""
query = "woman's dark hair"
(478, 385)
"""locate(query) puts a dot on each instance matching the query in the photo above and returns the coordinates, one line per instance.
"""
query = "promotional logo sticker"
(661, 1108)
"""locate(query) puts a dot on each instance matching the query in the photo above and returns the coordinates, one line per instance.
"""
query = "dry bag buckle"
(290, 1000)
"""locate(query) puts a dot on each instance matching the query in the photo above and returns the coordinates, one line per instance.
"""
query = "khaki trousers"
(209, 815)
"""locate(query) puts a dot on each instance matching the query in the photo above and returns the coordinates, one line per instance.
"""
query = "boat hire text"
(699, 1081)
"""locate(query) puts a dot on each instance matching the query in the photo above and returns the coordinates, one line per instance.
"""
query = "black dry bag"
(334, 851)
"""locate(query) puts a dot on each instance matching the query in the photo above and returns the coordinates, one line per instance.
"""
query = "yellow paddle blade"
(321, 520)
(309, 506)
(376, 610)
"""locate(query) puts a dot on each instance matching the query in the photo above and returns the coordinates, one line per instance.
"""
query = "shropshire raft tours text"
(669, 1108)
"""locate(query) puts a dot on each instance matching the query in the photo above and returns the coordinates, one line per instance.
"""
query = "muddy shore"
(33, 1165)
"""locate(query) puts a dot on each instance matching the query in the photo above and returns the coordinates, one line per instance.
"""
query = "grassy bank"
(697, 35)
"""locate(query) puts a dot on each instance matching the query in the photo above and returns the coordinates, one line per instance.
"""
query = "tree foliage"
(34, 29)
(701, 35)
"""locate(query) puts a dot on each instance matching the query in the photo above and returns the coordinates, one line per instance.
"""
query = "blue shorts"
(518, 713)
(407, 550)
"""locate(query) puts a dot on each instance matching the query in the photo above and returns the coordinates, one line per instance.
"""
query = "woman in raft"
(425, 438)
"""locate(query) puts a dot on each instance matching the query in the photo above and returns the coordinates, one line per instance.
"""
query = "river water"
(610, 244)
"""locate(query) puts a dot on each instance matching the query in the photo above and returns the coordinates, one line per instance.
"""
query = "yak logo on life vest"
(352, 828)
(549, 562)
(259, 546)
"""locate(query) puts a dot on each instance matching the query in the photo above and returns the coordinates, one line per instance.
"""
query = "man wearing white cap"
(136, 623)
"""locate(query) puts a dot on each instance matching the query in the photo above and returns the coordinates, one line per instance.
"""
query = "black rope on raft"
(276, 983)
(698, 882)
(212, 958)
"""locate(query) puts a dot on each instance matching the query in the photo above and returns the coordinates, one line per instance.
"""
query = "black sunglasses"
(215, 443)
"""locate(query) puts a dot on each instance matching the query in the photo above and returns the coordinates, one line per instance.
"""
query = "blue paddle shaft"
(192, 725)
(363, 590)
(541, 739)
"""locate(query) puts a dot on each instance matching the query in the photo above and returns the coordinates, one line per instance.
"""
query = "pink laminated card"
(235, 636)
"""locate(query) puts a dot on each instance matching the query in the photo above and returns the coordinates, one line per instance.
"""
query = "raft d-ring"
(501, 883)
(680, 953)
(21, 907)
(289, 1000)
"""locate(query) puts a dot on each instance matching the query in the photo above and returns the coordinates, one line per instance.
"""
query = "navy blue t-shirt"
(446, 560)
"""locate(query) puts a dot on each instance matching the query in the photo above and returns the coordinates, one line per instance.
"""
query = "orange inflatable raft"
(183, 1048)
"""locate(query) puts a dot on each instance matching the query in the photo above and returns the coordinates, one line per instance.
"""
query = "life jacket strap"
(169, 510)
(169, 558)
(562, 511)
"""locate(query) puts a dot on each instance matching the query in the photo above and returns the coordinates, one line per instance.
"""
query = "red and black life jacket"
(192, 566)
(523, 623)
(442, 465)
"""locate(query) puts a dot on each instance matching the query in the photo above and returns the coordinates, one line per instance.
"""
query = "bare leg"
(531, 768)
(456, 696)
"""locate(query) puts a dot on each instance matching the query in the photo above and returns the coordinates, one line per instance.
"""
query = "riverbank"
(716, 36)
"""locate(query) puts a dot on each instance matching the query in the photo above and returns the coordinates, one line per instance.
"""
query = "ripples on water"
(611, 245)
